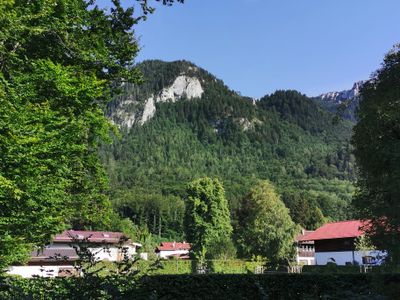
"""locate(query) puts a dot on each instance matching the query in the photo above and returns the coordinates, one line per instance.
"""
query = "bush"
(274, 286)
(109, 287)
(180, 267)
(331, 269)
(212, 286)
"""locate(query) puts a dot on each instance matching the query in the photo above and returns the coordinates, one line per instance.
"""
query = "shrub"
(332, 269)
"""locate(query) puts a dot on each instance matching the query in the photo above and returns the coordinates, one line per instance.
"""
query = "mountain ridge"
(188, 83)
(340, 97)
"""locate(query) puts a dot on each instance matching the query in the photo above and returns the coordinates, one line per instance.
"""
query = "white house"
(58, 258)
(335, 242)
(173, 249)
(305, 250)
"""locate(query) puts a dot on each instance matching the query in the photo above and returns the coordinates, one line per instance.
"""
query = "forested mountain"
(183, 123)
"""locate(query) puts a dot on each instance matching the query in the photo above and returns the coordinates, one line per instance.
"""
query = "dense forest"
(284, 137)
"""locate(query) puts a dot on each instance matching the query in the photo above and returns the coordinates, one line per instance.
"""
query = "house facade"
(335, 243)
(173, 249)
(305, 250)
(58, 258)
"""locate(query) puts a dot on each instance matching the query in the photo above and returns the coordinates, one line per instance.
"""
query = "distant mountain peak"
(339, 97)
(351, 98)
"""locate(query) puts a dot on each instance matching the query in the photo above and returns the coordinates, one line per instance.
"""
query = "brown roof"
(173, 246)
(102, 237)
(53, 254)
(62, 253)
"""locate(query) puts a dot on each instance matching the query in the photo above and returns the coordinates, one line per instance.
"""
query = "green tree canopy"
(207, 218)
(303, 209)
(267, 229)
(60, 63)
(377, 148)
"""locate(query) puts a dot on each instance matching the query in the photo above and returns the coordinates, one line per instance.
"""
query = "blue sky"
(259, 46)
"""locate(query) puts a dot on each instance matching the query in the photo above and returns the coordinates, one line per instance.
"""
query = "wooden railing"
(305, 253)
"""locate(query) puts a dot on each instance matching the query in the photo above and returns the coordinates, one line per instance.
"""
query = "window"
(368, 260)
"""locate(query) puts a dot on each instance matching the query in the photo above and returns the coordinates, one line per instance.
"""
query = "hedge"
(181, 267)
(213, 286)
(175, 267)
(351, 269)
(274, 286)
(331, 269)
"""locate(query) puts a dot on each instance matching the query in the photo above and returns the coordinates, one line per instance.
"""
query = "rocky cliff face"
(346, 101)
(131, 110)
(340, 97)
(183, 87)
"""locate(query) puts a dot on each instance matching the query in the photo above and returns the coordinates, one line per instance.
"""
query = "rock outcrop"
(339, 97)
(129, 111)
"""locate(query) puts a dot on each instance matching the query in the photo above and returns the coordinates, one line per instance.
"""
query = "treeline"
(163, 216)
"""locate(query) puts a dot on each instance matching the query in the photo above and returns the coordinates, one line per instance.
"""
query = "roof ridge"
(92, 231)
(346, 221)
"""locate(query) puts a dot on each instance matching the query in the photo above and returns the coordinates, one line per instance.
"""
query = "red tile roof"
(302, 235)
(337, 230)
(92, 236)
(173, 246)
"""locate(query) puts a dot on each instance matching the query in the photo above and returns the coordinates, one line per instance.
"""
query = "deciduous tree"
(207, 218)
(377, 148)
(266, 227)
(60, 63)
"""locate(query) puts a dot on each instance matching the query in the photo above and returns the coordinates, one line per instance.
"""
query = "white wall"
(305, 261)
(111, 253)
(165, 254)
(30, 271)
(144, 255)
(341, 257)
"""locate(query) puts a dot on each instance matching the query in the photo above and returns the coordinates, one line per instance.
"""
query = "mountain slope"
(285, 137)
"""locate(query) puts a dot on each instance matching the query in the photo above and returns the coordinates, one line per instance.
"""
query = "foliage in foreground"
(61, 62)
(57, 62)
(377, 147)
(272, 286)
